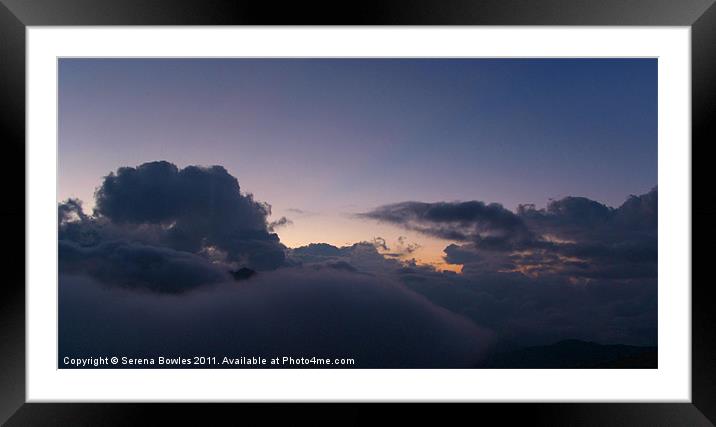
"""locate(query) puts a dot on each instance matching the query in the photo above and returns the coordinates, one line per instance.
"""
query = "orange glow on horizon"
(342, 230)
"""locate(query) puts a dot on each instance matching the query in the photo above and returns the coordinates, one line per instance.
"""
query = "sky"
(408, 213)
(323, 139)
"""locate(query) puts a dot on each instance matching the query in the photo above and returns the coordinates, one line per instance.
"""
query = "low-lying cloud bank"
(139, 266)
(520, 309)
(290, 312)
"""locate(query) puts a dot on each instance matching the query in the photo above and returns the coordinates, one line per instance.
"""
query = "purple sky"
(331, 137)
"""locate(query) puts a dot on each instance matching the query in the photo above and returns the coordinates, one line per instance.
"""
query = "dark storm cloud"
(572, 237)
(599, 241)
(461, 221)
(296, 312)
(639, 212)
(168, 230)
(157, 211)
(582, 219)
(577, 211)
(489, 226)
(160, 192)
(199, 207)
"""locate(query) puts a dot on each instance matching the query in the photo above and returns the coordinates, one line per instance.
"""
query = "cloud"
(460, 221)
(70, 211)
(281, 222)
(489, 226)
(578, 218)
(198, 207)
(295, 312)
(597, 241)
(458, 254)
(573, 237)
(576, 269)
(380, 243)
(585, 271)
(138, 266)
(524, 310)
(166, 262)
(317, 251)
(363, 257)
(198, 211)
(400, 249)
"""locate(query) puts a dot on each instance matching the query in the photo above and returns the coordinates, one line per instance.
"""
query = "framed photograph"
(420, 202)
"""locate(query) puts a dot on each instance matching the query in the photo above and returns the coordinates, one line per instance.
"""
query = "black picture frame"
(16, 15)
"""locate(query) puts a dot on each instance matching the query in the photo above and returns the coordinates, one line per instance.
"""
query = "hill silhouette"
(575, 354)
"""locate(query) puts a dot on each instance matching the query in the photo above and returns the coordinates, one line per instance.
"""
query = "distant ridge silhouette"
(574, 353)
